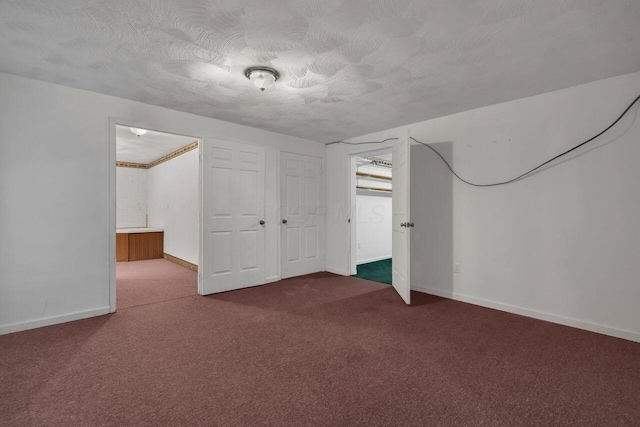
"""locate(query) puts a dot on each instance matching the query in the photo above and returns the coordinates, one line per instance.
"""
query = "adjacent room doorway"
(372, 223)
(157, 209)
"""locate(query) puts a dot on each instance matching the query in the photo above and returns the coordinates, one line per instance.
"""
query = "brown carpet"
(151, 281)
(315, 350)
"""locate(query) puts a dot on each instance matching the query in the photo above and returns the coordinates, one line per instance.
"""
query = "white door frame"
(353, 241)
(158, 127)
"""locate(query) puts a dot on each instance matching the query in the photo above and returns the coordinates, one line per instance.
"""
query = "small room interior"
(373, 216)
(319, 213)
(157, 210)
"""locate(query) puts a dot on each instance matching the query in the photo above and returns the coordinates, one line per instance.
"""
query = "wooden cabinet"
(138, 246)
(122, 247)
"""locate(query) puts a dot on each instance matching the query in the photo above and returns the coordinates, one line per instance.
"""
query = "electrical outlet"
(456, 268)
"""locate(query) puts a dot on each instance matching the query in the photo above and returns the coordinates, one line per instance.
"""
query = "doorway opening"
(157, 216)
(372, 218)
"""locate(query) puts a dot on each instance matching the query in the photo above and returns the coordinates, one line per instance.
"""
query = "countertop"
(138, 230)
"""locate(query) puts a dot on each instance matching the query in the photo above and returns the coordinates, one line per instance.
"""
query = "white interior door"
(401, 225)
(233, 190)
(353, 217)
(302, 222)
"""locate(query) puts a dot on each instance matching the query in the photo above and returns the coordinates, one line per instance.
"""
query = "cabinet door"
(146, 246)
(122, 247)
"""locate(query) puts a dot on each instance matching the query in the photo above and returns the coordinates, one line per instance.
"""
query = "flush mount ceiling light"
(262, 77)
(138, 131)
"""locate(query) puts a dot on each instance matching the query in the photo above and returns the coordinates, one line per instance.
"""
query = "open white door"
(401, 225)
(302, 221)
(233, 191)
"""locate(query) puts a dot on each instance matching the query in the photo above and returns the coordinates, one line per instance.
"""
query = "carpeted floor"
(377, 271)
(315, 350)
(150, 281)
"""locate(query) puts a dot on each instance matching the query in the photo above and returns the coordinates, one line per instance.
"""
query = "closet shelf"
(360, 187)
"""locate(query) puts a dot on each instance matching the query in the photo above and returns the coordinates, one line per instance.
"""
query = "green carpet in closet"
(377, 271)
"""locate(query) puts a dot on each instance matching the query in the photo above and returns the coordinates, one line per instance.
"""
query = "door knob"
(410, 224)
(284, 221)
(262, 222)
(403, 224)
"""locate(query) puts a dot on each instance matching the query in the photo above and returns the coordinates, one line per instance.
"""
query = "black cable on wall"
(519, 177)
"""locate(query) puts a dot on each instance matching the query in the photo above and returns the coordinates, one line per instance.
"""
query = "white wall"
(174, 204)
(56, 236)
(373, 222)
(562, 245)
(131, 197)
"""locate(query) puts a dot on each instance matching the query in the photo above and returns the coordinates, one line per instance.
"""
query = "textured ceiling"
(148, 147)
(348, 67)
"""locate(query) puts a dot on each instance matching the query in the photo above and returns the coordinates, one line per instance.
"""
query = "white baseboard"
(272, 279)
(53, 320)
(338, 271)
(380, 258)
(536, 314)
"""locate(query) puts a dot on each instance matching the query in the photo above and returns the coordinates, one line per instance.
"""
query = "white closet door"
(401, 225)
(233, 190)
(302, 212)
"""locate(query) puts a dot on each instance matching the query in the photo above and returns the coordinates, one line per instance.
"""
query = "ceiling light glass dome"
(138, 131)
(262, 77)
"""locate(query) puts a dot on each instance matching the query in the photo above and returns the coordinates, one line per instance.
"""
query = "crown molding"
(162, 159)
(131, 165)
